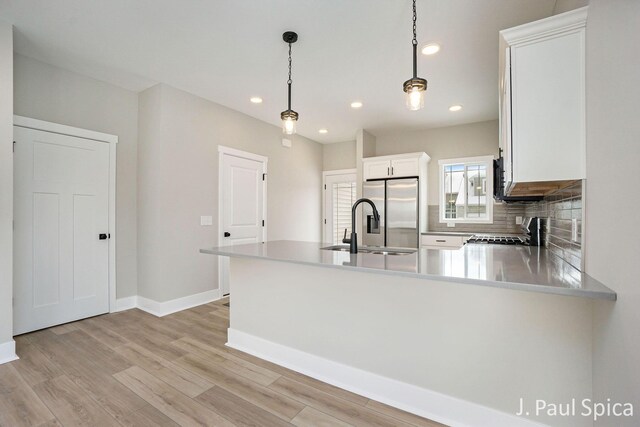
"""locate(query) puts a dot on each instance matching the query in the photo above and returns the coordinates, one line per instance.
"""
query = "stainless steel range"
(500, 240)
(533, 229)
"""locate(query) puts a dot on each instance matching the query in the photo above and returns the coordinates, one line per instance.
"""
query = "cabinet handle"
(440, 241)
(391, 170)
(388, 173)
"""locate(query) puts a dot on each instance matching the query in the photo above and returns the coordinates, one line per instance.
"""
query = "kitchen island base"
(457, 354)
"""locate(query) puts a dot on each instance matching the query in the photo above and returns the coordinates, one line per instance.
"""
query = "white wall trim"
(112, 140)
(161, 309)
(426, 403)
(8, 352)
(338, 172)
(243, 154)
(27, 122)
(125, 303)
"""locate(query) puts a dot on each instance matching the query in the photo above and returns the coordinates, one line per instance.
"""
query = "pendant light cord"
(414, 43)
(289, 81)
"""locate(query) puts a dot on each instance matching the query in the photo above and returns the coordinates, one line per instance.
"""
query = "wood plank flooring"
(134, 369)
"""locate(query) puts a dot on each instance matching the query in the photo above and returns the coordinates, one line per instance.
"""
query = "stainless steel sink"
(372, 250)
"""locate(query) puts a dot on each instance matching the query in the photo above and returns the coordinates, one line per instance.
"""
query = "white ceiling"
(229, 50)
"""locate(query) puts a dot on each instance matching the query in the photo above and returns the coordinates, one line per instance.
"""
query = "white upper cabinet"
(542, 99)
(396, 166)
(405, 167)
(373, 169)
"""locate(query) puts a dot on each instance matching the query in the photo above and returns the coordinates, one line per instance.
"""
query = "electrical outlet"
(518, 220)
(286, 142)
(206, 220)
(451, 224)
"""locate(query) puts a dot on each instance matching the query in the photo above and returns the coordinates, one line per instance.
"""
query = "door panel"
(46, 262)
(242, 190)
(402, 213)
(60, 207)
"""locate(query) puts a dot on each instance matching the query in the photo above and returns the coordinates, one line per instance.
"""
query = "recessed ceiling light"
(323, 131)
(455, 108)
(256, 100)
(356, 104)
(430, 49)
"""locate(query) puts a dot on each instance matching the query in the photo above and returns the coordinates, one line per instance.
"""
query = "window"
(466, 190)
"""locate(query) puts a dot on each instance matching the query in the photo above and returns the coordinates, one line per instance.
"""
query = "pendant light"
(415, 87)
(288, 116)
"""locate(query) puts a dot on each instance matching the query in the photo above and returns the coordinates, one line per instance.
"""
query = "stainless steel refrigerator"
(397, 201)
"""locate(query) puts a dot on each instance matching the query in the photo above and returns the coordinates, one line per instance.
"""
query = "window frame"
(487, 161)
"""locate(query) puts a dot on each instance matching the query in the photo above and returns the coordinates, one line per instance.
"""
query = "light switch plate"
(286, 142)
(451, 224)
(206, 220)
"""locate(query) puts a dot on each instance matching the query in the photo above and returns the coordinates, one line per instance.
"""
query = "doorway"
(339, 194)
(242, 203)
(64, 225)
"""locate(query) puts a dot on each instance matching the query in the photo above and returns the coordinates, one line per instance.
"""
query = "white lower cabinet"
(441, 242)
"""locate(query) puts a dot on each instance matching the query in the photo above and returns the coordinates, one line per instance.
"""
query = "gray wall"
(475, 139)
(612, 197)
(341, 155)
(6, 182)
(178, 182)
(46, 92)
(567, 5)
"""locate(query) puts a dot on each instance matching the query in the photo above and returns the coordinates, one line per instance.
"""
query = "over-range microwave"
(499, 184)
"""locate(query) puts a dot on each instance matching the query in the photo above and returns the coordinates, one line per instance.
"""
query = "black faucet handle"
(344, 238)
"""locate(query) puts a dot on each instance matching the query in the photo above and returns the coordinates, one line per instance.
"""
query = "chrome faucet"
(353, 240)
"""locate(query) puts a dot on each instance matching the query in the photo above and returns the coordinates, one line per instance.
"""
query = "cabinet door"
(405, 168)
(376, 169)
(505, 119)
(548, 108)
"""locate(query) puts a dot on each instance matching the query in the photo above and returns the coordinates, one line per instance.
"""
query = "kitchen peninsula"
(457, 336)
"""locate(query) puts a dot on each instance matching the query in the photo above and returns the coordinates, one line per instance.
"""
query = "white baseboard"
(125, 303)
(426, 403)
(8, 352)
(161, 309)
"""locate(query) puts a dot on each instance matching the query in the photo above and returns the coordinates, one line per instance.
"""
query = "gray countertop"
(447, 233)
(521, 268)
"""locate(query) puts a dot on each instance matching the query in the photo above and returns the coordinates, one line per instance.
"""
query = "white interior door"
(243, 208)
(339, 196)
(61, 205)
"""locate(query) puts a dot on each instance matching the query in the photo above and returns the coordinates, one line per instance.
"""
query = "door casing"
(326, 174)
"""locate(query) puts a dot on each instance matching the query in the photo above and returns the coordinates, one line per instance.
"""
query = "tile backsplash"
(561, 209)
(504, 220)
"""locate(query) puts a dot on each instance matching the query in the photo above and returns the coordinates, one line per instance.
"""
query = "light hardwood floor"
(134, 369)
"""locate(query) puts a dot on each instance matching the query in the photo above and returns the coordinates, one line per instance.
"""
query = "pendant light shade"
(415, 87)
(288, 116)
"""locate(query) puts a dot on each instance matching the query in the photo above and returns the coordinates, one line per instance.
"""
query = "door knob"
(103, 236)
(227, 234)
